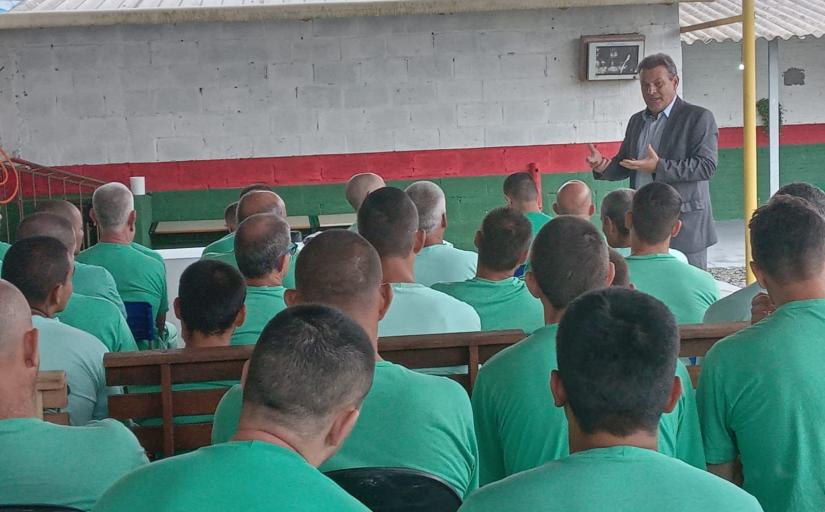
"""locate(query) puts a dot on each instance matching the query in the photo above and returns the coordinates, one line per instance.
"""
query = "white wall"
(712, 79)
(203, 91)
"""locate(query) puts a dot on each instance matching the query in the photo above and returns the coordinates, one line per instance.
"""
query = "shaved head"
(388, 219)
(69, 212)
(50, 225)
(574, 198)
(360, 186)
(520, 188)
(431, 204)
(260, 241)
(339, 268)
(260, 201)
(16, 315)
(112, 204)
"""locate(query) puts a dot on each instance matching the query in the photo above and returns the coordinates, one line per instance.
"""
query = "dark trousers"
(698, 259)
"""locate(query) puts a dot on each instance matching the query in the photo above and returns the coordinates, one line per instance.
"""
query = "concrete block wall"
(161, 93)
(712, 79)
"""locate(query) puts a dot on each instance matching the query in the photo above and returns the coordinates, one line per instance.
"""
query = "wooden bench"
(189, 227)
(52, 395)
(336, 220)
(165, 368)
(696, 340)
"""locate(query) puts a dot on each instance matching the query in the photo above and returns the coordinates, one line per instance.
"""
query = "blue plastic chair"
(141, 323)
(397, 489)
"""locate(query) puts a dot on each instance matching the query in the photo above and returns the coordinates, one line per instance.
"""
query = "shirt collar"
(666, 111)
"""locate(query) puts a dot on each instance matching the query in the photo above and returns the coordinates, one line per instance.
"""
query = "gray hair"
(659, 59)
(431, 203)
(112, 203)
(615, 206)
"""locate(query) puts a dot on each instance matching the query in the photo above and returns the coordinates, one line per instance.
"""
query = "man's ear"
(444, 220)
(759, 274)
(556, 209)
(611, 274)
(523, 258)
(676, 82)
(283, 265)
(341, 427)
(176, 307)
(676, 228)
(675, 395)
(31, 350)
(419, 239)
(628, 220)
(532, 284)
(240, 318)
(592, 209)
(477, 239)
(557, 389)
(93, 216)
(508, 201)
(292, 298)
(55, 298)
(386, 294)
(244, 372)
(132, 220)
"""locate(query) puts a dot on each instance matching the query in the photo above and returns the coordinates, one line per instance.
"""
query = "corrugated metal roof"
(774, 18)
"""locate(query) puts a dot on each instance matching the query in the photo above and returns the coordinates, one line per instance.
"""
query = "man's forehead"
(651, 75)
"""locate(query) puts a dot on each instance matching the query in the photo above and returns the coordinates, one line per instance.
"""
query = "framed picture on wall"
(611, 57)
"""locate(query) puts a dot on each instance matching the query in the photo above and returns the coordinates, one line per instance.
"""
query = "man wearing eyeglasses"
(263, 250)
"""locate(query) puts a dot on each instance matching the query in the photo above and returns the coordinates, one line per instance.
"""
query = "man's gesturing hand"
(595, 159)
(648, 164)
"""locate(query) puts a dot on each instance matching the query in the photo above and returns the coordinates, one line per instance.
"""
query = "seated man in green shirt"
(388, 220)
(438, 261)
(46, 463)
(139, 276)
(516, 425)
(615, 206)
(736, 307)
(357, 189)
(501, 300)
(263, 250)
(575, 198)
(522, 195)
(653, 220)
(617, 353)
(41, 268)
(230, 217)
(307, 378)
(89, 280)
(227, 243)
(621, 273)
(762, 391)
(430, 414)
(91, 314)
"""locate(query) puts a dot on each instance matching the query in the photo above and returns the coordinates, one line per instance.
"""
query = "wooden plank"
(182, 227)
(49, 380)
(711, 24)
(188, 437)
(337, 220)
(696, 339)
(193, 402)
(58, 418)
(299, 222)
(168, 412)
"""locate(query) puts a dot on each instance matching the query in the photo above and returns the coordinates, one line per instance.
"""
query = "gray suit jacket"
(688, 153)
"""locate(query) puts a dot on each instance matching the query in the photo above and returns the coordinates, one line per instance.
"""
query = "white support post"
(773, 112)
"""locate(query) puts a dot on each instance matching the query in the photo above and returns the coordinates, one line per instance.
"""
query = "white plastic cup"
(138, 185)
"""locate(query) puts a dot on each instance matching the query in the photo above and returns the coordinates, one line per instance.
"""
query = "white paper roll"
(138, 185)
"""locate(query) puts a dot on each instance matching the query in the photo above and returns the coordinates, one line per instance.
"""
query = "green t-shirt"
(139, 277)
(416, 309)
(685, 289)
(148, 252)
(505, 304)
(223, 245)
(444, 263)
(430, 415)
(262, 303)
(229, 259)
(94, 281)
(762, 397)
(101, 319)
(252, 476)
(53, 464)
(80, 355)
(736, 307)
(537, 220)
(519, 428)
(679, 255)
(619, 479)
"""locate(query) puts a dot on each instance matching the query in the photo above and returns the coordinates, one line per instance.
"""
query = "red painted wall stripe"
(305, 170)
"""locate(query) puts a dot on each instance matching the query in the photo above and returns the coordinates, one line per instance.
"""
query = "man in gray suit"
(674, 142)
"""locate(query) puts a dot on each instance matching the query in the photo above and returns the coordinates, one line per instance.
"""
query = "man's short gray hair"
(112, 203)
(431, 203)
(659, 59)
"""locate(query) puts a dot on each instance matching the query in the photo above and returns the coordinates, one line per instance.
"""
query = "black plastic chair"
(397, 489)
(37, 508)
(141, 323)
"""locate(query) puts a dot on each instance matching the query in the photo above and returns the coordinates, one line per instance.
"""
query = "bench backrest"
(52, 395)
(164, 369)
(696, 340)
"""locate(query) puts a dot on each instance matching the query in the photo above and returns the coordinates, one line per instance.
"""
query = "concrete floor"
(730, 250)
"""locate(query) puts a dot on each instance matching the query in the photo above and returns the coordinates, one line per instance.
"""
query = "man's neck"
(530, 206)
(640, 248)
(398, 270)
(12, 406)
(551, 314)
(44, 310)
(257, 431)
(200, 340)
(621, 243)
(493, 275)
(122, 236)
(580, 441)
(273, 279)
(434, 238)
(793, 292)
